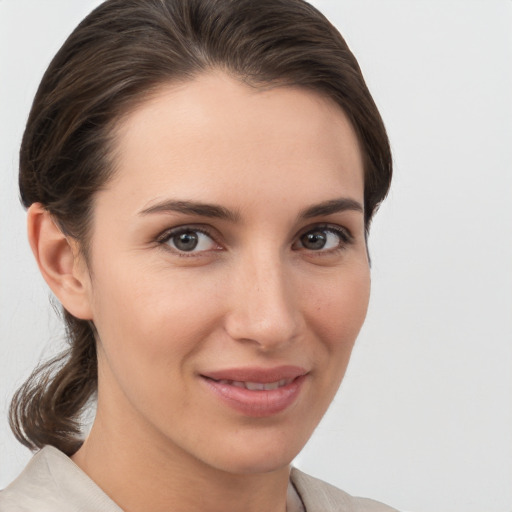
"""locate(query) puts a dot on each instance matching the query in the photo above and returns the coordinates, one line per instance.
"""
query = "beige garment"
(52, 482)
(319, 496)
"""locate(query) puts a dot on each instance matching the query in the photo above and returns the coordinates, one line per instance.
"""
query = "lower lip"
(257, 404)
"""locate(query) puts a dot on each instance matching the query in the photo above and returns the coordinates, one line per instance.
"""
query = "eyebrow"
(330, 207)
(194, 208)
(219, 212)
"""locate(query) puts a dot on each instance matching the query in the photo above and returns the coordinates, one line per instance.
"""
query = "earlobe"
(59, 262)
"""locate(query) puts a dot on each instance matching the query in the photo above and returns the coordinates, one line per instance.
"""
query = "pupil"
(314, 240)
(186, 241)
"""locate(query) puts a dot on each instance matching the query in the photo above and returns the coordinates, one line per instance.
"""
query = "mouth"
(257, 386)
(257, 392)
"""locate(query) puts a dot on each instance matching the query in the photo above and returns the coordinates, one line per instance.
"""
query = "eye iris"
(314, 240)
(186, 241)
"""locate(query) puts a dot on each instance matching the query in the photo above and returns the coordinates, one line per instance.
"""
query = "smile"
(257, 386)
(257, 392)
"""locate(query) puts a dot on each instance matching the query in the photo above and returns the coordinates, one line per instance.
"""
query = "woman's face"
(228, 271)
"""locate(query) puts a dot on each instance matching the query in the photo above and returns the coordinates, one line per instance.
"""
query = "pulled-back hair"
(114, 59)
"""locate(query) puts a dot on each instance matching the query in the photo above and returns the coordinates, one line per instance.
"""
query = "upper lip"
(257, 374)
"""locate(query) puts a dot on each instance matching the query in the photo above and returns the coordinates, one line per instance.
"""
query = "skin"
(252, 294)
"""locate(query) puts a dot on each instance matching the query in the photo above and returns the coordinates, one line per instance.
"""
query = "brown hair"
(108, 65)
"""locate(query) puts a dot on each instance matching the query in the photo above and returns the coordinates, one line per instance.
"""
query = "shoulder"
(319, 496)
(33, 487)
(52, 482)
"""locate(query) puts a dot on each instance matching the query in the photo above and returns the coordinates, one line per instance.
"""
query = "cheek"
(338, 308)
(151, 325)
(155, 316)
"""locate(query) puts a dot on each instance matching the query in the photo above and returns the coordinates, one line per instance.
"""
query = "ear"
(59, 262)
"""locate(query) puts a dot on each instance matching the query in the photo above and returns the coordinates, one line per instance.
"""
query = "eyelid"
(168, 233)
(345, 235)
(343, 231)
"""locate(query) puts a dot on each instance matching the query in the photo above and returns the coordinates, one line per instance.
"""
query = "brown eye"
(323, 239)
(314, 240)
(185, 241)
(189, 240)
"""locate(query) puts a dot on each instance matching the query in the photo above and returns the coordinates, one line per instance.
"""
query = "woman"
(200, 177)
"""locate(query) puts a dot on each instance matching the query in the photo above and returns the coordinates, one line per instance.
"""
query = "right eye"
(188, 240)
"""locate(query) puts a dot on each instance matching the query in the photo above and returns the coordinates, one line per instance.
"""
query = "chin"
(258, 455)
(247, 465)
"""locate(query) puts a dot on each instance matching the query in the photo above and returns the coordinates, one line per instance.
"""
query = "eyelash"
(344, 235)
(167, 235)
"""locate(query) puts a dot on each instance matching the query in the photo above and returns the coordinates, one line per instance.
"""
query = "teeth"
(257, 386)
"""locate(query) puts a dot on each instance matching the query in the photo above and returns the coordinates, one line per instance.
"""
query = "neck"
(140, 475)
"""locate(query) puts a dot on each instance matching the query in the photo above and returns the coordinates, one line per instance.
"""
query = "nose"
(264, 306)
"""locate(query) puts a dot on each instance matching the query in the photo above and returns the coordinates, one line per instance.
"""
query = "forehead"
(215, 132)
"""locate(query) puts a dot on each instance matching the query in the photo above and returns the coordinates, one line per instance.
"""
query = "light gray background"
(424, 417)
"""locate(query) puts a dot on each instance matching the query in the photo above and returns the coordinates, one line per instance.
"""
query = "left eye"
(322, 239)
(190, 240)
